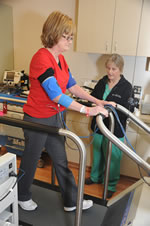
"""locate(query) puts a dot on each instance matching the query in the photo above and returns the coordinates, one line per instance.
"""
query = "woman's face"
(113, 71)
(65, 42)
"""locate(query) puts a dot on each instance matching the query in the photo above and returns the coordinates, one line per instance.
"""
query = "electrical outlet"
(137, 91)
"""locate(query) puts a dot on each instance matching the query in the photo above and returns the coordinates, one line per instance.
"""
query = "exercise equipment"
(124, 209)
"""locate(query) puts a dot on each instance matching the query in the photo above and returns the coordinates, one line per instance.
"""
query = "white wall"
(29, 17)
(6, 39)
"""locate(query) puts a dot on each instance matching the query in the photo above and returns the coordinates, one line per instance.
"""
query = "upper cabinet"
(144, 37)
(106, 26)
(126, 26)
(95, 25)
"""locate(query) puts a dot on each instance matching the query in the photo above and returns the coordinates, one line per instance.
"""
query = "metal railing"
(112, 138)
(10, 99)
(108, 157)
(62, 132)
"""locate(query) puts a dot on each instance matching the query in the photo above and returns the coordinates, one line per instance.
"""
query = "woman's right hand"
(93, 111)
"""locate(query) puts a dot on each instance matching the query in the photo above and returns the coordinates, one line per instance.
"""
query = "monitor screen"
(10, 75)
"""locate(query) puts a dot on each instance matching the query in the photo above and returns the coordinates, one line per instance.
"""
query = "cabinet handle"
(106, 46)
(115, 47)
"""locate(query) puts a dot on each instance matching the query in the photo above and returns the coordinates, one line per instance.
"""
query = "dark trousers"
(55, 147)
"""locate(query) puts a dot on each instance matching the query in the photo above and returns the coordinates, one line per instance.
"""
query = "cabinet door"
(80, 125)
(144, 37)
(140, 140)
(128, 166)
(143, 149)
(126, 26)
(95, 25)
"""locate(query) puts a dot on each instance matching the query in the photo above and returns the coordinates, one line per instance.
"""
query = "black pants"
(55, 147)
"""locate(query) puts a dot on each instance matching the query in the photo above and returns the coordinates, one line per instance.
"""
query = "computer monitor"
(11, 77)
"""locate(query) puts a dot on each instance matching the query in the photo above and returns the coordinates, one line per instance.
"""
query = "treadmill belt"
(50, 211)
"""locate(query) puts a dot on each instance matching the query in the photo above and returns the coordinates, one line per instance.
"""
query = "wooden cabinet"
(80, 125)
(144, 37)
(106, 26)
(6, 39)
(128, 166)
(126, 26)
(95, 25)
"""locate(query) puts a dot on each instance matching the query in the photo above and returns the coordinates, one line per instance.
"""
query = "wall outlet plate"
(137, 91)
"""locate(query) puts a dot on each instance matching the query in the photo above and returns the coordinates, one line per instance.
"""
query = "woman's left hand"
(110, 103)
(102, 103)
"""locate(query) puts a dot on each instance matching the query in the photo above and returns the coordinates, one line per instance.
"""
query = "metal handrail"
(108, 157)
(128, 151)
(82, 153)
(136, 120)
(21, 101)
(13, 99)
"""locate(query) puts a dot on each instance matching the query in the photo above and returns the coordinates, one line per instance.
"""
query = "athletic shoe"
(88, 181)
(28, 205)
(41, 163)
(110, 194)
(86, 205)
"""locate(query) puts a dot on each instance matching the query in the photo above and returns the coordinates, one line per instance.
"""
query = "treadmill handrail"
(21, 101)
(108, 156)
(136, 120)
(62, 132)
(128, 151)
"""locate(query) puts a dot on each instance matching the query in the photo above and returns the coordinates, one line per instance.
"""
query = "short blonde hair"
(54, 27)
(117, 60)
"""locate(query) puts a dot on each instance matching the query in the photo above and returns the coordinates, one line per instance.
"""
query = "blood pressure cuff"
(71, 81)
(65, 100)
(50, 85)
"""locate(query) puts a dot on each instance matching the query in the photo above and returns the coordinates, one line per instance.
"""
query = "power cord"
(96, 129)
(13, 174)
(63, 124)
(70, 130)
(82, 137)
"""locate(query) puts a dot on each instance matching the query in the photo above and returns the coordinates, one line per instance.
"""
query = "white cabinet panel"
(95, 25)
(144, 38)
(128, 167)
(143, 146)
(126, 26)
(80, 125)
(140, 141)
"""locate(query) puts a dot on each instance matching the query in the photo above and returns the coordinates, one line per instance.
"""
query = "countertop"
(143, 117)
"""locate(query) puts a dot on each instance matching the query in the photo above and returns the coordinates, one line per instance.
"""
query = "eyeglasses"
(68, 38)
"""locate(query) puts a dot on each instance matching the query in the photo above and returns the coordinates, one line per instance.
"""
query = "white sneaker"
(86, 205)
(28, 205)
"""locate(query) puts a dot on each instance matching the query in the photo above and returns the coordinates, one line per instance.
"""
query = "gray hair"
(117, 60)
